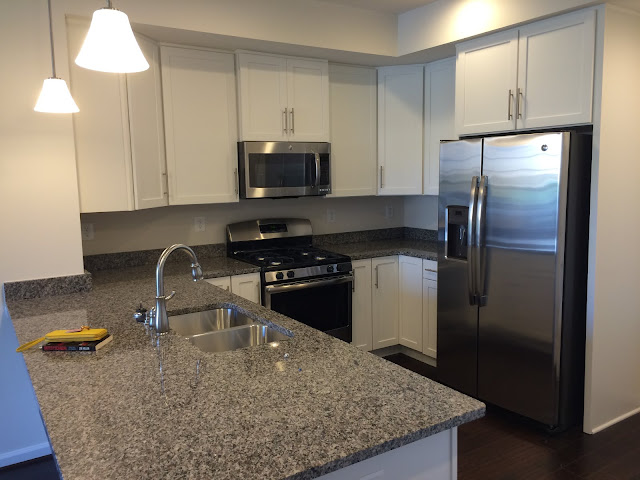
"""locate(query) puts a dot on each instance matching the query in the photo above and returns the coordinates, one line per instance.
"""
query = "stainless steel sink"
(196, 323)
(238, 337)
(223, 329)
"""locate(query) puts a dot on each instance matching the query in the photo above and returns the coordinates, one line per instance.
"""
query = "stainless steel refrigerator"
(512, 247)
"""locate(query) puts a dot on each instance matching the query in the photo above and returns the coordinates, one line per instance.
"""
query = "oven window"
(324, 307)
(277, 170)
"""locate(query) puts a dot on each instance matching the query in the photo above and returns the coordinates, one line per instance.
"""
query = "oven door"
(282, 169)
(324, 304)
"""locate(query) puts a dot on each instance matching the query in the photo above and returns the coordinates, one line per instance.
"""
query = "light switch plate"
(331, 215)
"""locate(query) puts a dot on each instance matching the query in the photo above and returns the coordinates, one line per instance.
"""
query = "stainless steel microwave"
(284, 169)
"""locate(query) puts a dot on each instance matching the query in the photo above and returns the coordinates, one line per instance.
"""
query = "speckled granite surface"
(383, 248)
(45, 287)
(250, 414)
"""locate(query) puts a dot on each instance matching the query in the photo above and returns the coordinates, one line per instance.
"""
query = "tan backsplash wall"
(161, 227)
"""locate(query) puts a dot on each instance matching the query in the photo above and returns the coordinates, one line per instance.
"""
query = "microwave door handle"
(317, 178)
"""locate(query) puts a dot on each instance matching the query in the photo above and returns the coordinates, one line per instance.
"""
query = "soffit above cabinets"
(387, 6)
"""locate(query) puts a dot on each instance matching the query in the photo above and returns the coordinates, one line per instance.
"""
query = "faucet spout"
(160, 320)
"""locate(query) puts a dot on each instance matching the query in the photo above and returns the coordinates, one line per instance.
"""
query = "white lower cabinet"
(385, 296)
(395, 303)
(429, 307)
(362, 320)
(410, 305)
(245, 286)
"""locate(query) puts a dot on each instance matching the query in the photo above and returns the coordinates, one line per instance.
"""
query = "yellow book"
(82, 334)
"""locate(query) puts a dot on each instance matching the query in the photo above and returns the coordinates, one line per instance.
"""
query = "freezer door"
(460, 162)
(520, 276)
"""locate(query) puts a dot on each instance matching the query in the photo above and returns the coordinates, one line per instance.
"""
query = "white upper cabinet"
(439, 117)
(353, 100)
(400, 130)
(118, 132)
(486, 77)
(144, 93)
(283, 98)
(540, 75)
(200, 124)
(555, 71)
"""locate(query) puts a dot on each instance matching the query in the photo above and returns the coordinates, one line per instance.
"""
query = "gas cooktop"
(289, 257)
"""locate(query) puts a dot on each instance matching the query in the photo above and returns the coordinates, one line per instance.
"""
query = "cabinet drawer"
(430, 269)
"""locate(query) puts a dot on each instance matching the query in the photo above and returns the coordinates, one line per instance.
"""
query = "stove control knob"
(330, 269)
(279, 275)
(291, 274)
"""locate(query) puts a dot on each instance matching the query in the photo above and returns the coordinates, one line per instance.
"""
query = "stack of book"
(77, 346)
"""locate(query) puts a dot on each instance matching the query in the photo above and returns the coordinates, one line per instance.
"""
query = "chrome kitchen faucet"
(158, 315)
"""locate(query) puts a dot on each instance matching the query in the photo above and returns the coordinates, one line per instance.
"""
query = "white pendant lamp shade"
(55, 97)
(110, 45)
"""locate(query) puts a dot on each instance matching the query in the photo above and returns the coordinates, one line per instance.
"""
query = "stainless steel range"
(300, 281)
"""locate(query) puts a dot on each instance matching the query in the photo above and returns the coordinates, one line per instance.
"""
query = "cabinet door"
(308, 100)
(144, 94)
(400, 99)
(220, 282)
(555, 71)
(439, 117)
(353, 104)
(410, 320)
(486, 79)
(200, 121)
(429, 307)
(262, 81)
(101, 130)
(247, 286)
(430, 317)
(362, 320)
(385, 297)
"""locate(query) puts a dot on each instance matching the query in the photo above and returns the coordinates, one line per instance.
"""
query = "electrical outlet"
(87, 231)
(199, 224)
(388, 211)
(331, 216)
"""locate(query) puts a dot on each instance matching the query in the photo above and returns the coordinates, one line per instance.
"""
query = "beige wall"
(40, 226)
(160, 227)
(421, 212)
(446, 21)
(612, 390)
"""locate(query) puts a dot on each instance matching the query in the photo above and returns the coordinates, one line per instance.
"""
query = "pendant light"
(55, 96)
(110, 45)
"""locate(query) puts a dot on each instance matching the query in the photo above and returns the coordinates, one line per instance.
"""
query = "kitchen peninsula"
(138, 410)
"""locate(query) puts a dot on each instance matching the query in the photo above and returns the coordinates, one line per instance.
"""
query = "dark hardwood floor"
(500, 446)
(505, 446)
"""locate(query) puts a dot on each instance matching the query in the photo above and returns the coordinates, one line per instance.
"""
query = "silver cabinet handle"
(353, 282)
(471, 277)
(481, 223)
(430, 270)
(510, 115)
(165, 185)
(519, 105)
(381, 176)
(293, 122)
(235, 177)
(376, 276)
(286, 121)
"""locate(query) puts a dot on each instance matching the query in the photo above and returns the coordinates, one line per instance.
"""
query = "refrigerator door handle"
(473, 203)
(480, 242)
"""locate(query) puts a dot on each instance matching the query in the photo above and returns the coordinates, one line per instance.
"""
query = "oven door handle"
(290, 287)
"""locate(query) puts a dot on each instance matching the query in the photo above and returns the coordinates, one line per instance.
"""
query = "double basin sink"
(223, 329)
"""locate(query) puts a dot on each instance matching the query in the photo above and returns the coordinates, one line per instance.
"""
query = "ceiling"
(388, 6)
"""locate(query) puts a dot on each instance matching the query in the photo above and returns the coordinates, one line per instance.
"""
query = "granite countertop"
(382, 248)
(137, 409)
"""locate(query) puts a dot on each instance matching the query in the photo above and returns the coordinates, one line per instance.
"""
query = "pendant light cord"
(53, 61)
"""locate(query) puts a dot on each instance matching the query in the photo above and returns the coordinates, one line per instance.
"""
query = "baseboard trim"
(393, 349)
(23, 454)
(599, 428)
